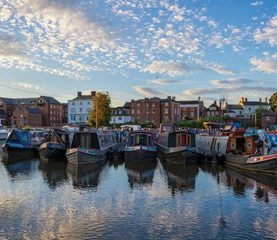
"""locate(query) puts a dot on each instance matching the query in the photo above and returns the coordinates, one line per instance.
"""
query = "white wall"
(120, 119)
(78, 110)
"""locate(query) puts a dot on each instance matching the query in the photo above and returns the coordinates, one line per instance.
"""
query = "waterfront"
(121, 201)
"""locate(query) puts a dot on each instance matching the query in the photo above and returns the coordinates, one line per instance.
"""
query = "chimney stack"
(199, 99)
(79, 94)
(245, 99)
(260, 99)
(265, 99)
(93, 93)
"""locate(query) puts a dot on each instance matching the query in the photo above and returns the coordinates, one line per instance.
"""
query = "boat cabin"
(241, 143)
(58, 136)
(141, 139)
(170, 137)
(19, 137)
(93, 140)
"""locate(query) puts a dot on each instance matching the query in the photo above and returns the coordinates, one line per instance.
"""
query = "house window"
(73, 104)
(81, 110)
(138, 111)
(73, 110)
(88, 103)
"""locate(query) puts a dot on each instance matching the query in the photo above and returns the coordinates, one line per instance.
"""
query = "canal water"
(133, 201)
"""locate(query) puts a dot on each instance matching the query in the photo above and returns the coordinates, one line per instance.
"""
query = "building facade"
(80, 107)
(250, 107)
(51, 109)
(119, 116)
(268, 119)
(26, 116)
(191, 109)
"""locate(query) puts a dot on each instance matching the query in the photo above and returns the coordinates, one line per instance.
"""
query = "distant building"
(213, 110)
(64, 113)
(119, 116)
(51, 109)
(147, 110)
(250, 107)
(268, 119)
(155, 110)
(80, 107)
(192, 109)
(26, 116)
(234, 111)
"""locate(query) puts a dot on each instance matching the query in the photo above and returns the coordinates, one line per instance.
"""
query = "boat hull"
(254, 163)
(83, 157)
(176, 154)
(18, 153)
(140, 154)
(52, 152)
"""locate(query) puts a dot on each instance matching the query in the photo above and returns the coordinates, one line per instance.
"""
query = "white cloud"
(27, 86)
(232, 82)
(267, 65)
(171, 68)
(257, 3)
(164, 81)
(147, 91)
(269, 33)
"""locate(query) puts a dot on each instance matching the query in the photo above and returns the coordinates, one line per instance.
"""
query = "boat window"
(85, 141)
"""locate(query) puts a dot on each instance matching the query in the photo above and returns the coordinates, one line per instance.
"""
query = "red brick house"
(268, 118)
(191, 109)
(26, 116)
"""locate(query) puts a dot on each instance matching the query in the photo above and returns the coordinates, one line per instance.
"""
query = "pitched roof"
(234, 106)
(191, 102)
(127, 105)
(255, 103)
(16, 101)
(50, 100)
(33, 110)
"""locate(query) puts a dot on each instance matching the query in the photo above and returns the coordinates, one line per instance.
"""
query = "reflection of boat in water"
(85, 176)
(53, 172)
(248, 179)
(181, 177)
(116, 162)
(140, 172)
(26, 167)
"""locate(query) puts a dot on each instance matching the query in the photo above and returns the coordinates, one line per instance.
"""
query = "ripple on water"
(155, 201)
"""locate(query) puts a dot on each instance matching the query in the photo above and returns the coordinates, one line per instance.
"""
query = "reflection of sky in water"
(44, 203)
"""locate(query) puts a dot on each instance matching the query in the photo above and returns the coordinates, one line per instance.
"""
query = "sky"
(138, 48)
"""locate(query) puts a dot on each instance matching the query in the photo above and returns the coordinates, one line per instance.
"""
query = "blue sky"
(139, 48)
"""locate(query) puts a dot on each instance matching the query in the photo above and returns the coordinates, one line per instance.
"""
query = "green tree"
(273, 102)
(101, 112)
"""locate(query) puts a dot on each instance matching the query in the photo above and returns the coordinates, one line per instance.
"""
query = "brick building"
(50, 108)
(155, 110)
(26, 116)
(268, 119)
(213, 110)
(191, 109)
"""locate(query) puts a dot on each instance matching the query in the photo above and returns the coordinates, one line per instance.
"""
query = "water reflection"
(140, 172)
(116, 162)
(241, 181)
(181, 177)
(85, 177)
(16, 168)
(53, 172)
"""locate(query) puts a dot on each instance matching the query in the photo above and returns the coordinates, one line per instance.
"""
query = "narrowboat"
(176, 146)
(90, 147)
(140, 147)
(252, 151)
(117, 151)
(18, 145)
(54, 145)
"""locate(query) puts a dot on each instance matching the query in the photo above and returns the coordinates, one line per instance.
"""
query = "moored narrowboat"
(54, 145)
(140, 147)
(18, 145)
(90, 147)
(176, 146)
(256, 151)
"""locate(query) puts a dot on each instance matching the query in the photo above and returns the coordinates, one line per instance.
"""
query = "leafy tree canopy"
(273, 102)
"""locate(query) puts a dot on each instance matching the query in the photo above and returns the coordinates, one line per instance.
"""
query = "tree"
(101, 112)
(273, 102)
